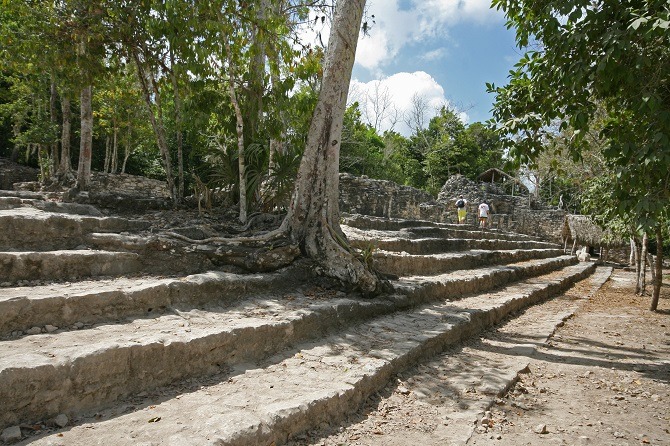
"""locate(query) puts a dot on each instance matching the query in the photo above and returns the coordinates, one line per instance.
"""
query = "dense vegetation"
(171, 79)
(596, 86)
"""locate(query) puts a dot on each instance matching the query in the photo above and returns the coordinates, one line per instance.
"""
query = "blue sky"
(441, 50)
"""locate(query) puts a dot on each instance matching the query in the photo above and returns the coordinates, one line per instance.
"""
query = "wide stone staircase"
(113, 334)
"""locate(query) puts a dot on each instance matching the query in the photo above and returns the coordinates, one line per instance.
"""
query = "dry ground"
(602, 378)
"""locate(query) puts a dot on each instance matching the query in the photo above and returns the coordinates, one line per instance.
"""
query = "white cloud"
(433, 55)
(373, 50)
(401, 88)
(454, 11)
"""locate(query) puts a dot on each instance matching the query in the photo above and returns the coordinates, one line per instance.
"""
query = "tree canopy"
(587, 56)
(595, 66)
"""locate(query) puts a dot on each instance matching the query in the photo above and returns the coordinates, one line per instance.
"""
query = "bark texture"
(313, 217)
(86, 142)
(65, 166)
(239, 127)
(150, 89)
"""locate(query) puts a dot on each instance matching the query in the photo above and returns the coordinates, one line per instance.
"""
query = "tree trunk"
(276, 144)
(637, 266)
(178, 125)
(240, 136)
(313, 217)
(257, 70)
(126, 152)
(658, 283)
(651, 261)
(643, 264)
(115, 149)
(86, 142)
(53, 117)
(108, 150)
(65, 167)
(156, 121)
(631, 258)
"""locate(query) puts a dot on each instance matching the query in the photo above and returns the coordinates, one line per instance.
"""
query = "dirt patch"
(603, 378)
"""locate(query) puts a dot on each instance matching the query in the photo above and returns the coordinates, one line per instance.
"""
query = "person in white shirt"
(483, 215)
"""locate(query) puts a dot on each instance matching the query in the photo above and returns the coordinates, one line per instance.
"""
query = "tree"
(313, 217)
(614, 54)
(377, 106)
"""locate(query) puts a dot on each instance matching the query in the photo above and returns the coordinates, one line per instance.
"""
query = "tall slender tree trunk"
(126, 153)
(257, 70)
(178, 125)
(658, 265)
(86, 142)
(642, 278)
(53, 117)
(108, 150)
(156, 121)
(115, 149)
(313, 217)
(240, 136)
(65, 167)
(638, 249)
(276, 144)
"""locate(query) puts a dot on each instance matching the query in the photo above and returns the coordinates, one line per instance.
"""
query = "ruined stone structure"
(380, 198)
(11, 173)
(361, 195)
(129, 185)
(358, 195)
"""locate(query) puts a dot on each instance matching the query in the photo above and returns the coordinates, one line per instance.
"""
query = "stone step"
(66, 265)
(91, 302)
(368, 222)
(140, 353)
(464, 232)
(433, 233)
(7, 203)
(454, 284)
(298, 389)
(28, 194)
(441, 245)
(22, 309)
(28, 228)
(403, 264)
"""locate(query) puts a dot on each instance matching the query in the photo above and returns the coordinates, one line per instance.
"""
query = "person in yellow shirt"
(460, 208)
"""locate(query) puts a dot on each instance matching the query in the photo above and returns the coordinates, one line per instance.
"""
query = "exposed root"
(266, 237)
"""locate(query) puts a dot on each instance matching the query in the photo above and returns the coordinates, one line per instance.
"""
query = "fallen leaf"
(155, 420)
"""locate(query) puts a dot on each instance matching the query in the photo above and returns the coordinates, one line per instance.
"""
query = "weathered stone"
(11, 173)
(11, 434)
(61, 420)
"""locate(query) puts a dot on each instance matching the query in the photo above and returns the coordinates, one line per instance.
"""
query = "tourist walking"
(460, 208)
(483, 215)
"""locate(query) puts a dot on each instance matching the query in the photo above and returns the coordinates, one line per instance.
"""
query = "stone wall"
(363, 195)
(544, 223)
(128, 185)
(11, 172)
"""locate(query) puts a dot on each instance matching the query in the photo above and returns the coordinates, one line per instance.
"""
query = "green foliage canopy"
(614, 54)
